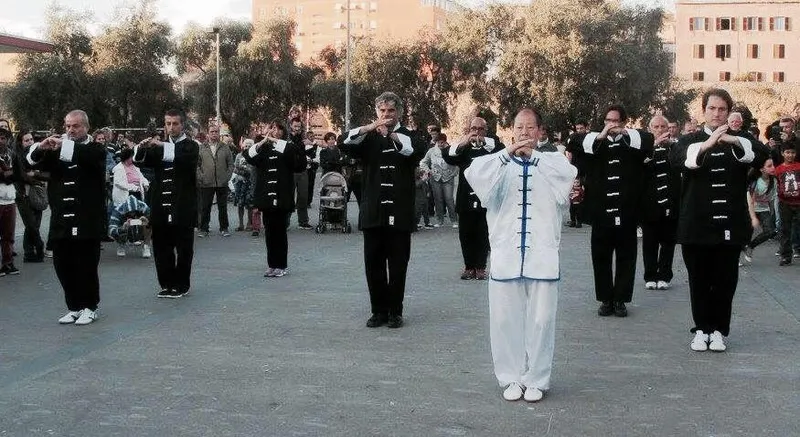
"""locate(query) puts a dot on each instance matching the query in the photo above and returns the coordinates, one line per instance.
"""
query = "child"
(421, 195)
(760, 198)
(575, 199)
(788, 175)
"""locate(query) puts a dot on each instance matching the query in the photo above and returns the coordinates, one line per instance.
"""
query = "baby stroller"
(127, 225)
(333, 204)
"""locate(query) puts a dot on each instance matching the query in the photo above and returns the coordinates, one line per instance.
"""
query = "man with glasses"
(472, 231)
(614, 163)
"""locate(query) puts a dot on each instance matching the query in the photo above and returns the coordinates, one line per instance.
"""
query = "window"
(778, 51)
(779, 23)
(778, 76)
(752, 51)
(698, 23)
(755, 76)
(724, 76)
(698, 76)
(723, 51)
(752, 23)
(725, 23)
(699, 51)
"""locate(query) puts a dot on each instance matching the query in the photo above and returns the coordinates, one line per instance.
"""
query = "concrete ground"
(244, 355)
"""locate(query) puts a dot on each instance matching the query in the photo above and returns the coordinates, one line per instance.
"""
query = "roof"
(18, 44)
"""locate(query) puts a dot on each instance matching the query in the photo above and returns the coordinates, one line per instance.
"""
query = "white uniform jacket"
(524, 201)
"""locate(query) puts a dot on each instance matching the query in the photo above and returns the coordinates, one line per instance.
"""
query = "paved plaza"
(244, 355)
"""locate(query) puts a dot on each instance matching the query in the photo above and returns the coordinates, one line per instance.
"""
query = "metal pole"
(347, 75)
(219, 118)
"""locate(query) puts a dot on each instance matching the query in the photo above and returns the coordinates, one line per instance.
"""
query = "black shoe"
(9, 269)
(395, 321)
(164, 293)
(179, 293)
(377, 320)
(605, 310)
(468, 274)
(785, 262)
(620, 310)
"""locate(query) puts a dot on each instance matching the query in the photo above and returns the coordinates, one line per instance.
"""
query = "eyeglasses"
(477, 128)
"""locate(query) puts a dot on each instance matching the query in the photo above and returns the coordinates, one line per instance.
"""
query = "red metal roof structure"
(18, 44)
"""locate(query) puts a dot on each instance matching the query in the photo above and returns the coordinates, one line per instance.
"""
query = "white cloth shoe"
(650, 285)
(146, 251)
(717, 342)
(69, 317)
(533, 394)
(700, 341)
(87, 316)
(663, 285)
(120, 250)
(513, 392)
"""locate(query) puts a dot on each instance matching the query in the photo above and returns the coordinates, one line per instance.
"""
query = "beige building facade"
(737, 40)
(322, 23)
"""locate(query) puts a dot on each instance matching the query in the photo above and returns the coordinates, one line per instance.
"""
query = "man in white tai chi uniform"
(525, 192)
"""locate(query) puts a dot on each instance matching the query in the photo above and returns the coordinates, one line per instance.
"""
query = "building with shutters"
(736, 40)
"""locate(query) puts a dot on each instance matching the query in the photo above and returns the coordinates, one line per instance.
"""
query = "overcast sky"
(25, 18)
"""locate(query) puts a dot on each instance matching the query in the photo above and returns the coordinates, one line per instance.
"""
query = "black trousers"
(386, 255)
(76, 264)
(658, 249)
(32, 244)
(312, 176)
(276, 238)
(574, 213)
(207, 200)
(608, 243)
(173, 251)
(473, 232)
(713, 275)
(789, 215)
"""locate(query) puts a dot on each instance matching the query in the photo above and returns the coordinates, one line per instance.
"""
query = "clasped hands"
(719, 137)
(380, 126)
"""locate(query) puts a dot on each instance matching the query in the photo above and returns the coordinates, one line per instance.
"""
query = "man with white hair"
(660, 208)
(525, 192)
(77, 193)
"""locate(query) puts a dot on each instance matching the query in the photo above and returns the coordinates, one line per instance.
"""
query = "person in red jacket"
(788, 175)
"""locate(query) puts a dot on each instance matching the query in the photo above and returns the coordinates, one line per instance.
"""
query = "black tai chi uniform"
(77, 196)
(386, 211)
(660, 214)
(614, 178)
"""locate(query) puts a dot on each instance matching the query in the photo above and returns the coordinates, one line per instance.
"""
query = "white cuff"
(29, 157)
(353, 137)
(588, 141)
(169, 152)
(749, 155)
(280, 146)
(489, 145)
(691, 156)
(405, 141)
(452, 150)
(136, 152)
(252, 151)
(636, 138)
(67, 150)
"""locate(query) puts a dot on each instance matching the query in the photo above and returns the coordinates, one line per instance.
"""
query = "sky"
(28, 20)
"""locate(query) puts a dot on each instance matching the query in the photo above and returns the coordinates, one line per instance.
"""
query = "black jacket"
(274, 181)
(614, 170)
(713, 206)
(662, 187)
(387, 193)
(77, 189)
(330, 159)
(173, 190)
(466, 200)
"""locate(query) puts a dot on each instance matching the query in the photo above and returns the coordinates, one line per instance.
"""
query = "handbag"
(37, 197)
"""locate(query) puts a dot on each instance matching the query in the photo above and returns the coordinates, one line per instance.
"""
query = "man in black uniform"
(614, 163)
(472, 230)
(714, 223)
(77, 193)
(173, 203)
(390, 154)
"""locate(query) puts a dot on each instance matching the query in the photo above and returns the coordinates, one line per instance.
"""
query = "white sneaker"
(120, 251)
(437, 225)
(513, 392)
(663, 285)
(533, 394)
(700, 341)
(455, 225)
(650, 285)
(717, 343)
(277, 273)
(87, 316)
(69, 317)
(638, 232)
(48, 253)
(146, 251)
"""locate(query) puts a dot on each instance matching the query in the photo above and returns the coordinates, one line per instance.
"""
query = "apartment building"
(321, 23)
(737, 40)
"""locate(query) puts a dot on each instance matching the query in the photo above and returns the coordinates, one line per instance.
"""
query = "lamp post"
(347, 75)
(216, 32)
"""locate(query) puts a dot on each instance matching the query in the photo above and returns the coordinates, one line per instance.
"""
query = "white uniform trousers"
(522, 325)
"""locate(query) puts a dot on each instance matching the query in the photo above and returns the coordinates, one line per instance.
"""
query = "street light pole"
(219, 118)
(347, 75)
